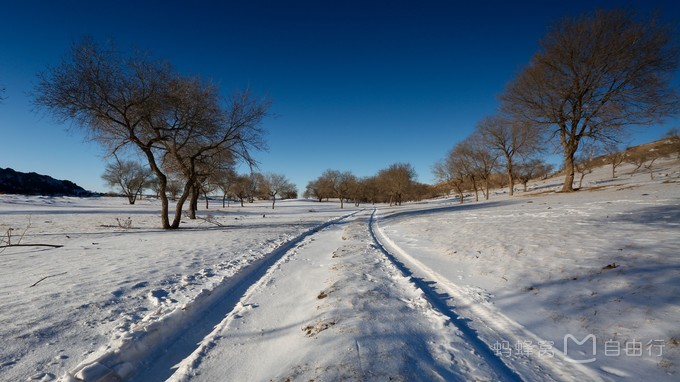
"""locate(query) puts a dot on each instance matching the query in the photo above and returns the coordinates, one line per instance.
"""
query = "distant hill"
(15, 182)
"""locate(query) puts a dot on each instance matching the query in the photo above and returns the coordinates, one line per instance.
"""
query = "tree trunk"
(569, 151)
(162, 188)
(511, 181)
(650, 168)
(486, 183)
(178, 207)
(525, 186)
(193, 202)
(165, 208)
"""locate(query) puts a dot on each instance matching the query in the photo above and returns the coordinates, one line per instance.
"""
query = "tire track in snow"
(153, 353)
(495, 326)
(438, 303)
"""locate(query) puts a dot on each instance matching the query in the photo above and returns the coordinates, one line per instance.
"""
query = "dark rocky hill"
(15, 182)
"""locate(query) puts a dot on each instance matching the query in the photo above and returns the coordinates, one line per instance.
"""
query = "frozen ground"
(427, 291)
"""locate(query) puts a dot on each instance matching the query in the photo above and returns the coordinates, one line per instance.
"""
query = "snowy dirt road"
(339, 305)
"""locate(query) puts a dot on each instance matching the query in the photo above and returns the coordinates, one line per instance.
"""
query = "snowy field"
(539, 286)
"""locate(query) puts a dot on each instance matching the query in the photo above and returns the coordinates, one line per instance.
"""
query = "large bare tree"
(594, 76)
(123, 100)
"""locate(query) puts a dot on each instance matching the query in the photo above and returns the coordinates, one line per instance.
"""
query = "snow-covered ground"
(429, 291)
(600, 265)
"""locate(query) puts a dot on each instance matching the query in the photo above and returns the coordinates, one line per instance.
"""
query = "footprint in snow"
(160, 296)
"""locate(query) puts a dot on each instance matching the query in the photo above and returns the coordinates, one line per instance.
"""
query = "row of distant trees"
(488, 160)
(594, 76)
(132, 178)
(474, 163)
(642, 157)
(394, 185)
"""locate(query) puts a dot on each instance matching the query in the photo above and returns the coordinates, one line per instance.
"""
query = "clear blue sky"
(356, 85)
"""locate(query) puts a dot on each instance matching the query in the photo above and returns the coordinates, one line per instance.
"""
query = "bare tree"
(652, 156)
(207, 170)
(640, 157)
(483, 160)
(256, 182)
(320, 188)
(339, 182)
(224, 178)
(615, 156)
(583, 166)
(275, 184)
(594, 76)
(509, 138)
(242, 187)
(357, 191)
(173, 188)
(586, 162)
(131, 177)
(531, 169)
(464, 154)
(396, 181)
(452, 173)
(499, 180)
(290, 193)
(371, 189)
(131, 100)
